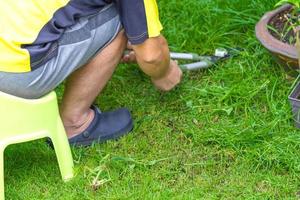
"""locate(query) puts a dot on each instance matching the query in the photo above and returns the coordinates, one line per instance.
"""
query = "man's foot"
(82, 123)
(104, 126)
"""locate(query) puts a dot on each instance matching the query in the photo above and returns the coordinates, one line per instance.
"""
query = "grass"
(224, 133)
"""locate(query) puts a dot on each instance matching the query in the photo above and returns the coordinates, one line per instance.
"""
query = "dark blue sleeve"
(133, 17)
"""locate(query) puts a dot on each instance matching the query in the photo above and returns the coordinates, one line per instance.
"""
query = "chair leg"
(63, 151)
(2, 193)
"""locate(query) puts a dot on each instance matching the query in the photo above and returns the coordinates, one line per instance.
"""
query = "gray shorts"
(78, 45)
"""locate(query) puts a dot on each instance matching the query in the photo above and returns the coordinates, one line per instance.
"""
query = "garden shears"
(204, 62)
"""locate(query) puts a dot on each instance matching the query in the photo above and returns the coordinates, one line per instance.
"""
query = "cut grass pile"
(224, 133)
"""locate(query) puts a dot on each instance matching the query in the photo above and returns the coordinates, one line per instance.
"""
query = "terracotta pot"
(285, 54)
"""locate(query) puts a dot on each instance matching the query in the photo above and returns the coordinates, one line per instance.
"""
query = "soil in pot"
(283, 25)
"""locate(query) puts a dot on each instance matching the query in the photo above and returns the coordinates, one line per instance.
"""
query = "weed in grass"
(95, 176)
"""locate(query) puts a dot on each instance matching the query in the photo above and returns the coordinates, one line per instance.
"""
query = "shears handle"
(204, 64)
(188, 56)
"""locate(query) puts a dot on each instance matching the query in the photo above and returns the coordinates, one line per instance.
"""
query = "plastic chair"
(23, 120)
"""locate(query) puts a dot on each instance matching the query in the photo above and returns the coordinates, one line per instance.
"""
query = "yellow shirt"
(20, 23)
(30, 29)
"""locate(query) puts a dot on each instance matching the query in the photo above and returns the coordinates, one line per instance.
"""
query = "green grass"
(224, 133)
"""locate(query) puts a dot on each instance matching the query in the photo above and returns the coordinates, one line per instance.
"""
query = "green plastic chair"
(23, 120)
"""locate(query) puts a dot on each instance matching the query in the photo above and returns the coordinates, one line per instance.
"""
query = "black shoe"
(105, 126)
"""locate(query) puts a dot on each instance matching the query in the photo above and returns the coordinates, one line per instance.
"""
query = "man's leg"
(85, 84)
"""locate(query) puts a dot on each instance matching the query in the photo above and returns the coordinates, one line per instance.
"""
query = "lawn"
(224, 133)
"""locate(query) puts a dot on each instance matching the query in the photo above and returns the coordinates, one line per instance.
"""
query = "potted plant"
(277, 32)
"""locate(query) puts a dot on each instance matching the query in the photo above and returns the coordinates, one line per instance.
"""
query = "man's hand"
(130, 56)
(171, 79)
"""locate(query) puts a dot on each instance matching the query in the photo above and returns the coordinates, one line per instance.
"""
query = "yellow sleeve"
(152, 15)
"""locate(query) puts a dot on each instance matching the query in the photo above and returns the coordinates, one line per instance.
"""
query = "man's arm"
(153, 57)
(142, 26)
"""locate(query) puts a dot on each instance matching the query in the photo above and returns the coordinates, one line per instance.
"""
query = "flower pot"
(294, 99)
(285, 54)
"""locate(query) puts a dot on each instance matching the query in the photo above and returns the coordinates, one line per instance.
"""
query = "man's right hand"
(171, 79)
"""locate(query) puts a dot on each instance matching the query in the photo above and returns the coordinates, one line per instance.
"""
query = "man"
(42, 42)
